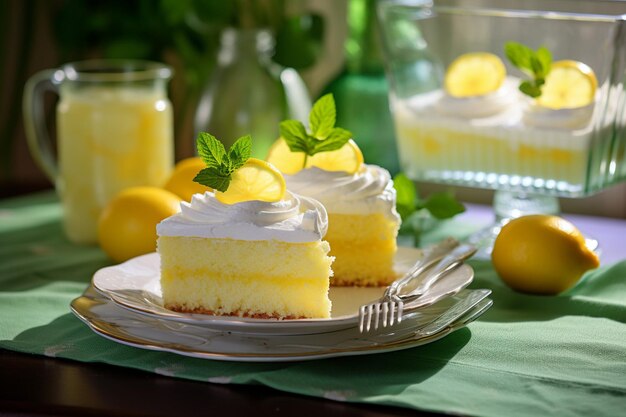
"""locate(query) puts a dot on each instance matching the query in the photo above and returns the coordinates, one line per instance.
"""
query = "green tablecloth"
(527, 356)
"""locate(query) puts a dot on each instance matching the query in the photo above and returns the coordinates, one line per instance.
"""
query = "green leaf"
(537, 64)
(335, 140)
(240, 152)
(443, 205)
(213, 177)
(545, 57)
(406, 195)
(323, 117)
(518, 54)
(530, 89)
(295, 135)
(210, 149)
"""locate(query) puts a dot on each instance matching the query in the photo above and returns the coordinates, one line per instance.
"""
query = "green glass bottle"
(361, 89)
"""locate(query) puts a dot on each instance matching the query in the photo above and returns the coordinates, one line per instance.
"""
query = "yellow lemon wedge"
(127, 225)
(569, 84)
(474, 74)
(284, 159)
(255, 180)
(541, 254)
(348, 158)
(181, 181)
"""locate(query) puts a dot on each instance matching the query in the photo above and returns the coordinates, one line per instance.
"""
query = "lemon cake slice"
(327, 165)
(362, 221)
(231, 253)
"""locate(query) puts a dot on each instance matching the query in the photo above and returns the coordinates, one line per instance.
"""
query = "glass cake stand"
(529, 156)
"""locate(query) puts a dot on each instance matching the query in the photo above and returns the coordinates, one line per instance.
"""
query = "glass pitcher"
(249, 93)
(114, 130)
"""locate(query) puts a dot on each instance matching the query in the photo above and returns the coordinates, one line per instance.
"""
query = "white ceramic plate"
(107, 319)
(135, 285)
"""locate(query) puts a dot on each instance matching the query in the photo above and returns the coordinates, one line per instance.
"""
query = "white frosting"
(575, 118)
(366, 192)
(294, 219)
(480, 106)
(505, 107)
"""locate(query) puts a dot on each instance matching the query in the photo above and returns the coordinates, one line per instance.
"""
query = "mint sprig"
(220, 164)
(535, 64)
(413, 210)
(323, 135)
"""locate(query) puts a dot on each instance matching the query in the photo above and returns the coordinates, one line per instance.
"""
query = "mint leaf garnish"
(240, 152)
(324, 136)
(210, 149)
(535, 64)
(323, 116)
(335, 140)
(415, 211)
(295, 135)
(220, 164)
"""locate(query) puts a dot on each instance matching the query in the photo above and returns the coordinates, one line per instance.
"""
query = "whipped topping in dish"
(506, 107)
(295, 219)
(368, 191)
(480, 106)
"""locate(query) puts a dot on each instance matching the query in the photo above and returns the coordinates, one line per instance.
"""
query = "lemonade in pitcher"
(124, 137)
(114, 131)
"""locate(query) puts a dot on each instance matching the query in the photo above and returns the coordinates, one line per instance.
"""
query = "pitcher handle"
(297, 95)
(34, 120)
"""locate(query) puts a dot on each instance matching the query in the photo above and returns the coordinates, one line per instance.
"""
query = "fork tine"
(377, 319)
(361, 318)
(392, 318)
(385, 313)
(370, 310)
(400, 311)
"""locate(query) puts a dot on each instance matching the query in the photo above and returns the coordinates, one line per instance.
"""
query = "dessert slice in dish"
(252, 250)
(530, 133)
(360, 200)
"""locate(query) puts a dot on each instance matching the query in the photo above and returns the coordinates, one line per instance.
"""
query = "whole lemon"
(181, 181)
(541, 254)
(127, 225)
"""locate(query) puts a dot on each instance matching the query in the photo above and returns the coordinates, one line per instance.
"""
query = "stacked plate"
(124, 304)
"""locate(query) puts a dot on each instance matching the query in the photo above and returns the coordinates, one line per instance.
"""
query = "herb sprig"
(324, 136)
(535, 64)
(220, 164)
(413, 209)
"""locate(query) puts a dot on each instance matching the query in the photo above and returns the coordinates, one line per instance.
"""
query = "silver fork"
(390, 307)
(387, 304)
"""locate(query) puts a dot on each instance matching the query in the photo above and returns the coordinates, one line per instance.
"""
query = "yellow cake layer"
(364, 247)
(361, 228)
(245, 278)
(363, 264)
(550, 155)
(254, 296)
(244, 257)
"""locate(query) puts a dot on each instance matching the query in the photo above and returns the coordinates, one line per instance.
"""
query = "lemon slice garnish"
(348, 158)
(474, 74)
(569, 84)
(282, 158)
(255, 180)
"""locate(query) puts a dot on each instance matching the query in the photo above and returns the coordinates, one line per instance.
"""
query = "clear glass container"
(519, 148)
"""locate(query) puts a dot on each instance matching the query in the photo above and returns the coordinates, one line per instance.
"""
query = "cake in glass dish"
(481, 122)
(550, 124)
(359, 198)
(248, 249)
